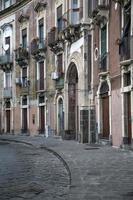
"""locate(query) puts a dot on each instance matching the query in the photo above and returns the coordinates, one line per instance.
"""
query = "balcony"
(38, 49)
(40, 86)
(21, 56)
(54, 40)
(104, 62)
(71, 24)
(7, 92)
(6, 62)
(99, 10)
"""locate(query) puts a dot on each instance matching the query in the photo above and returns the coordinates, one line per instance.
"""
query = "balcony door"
(41, 76)
(24, 38)
(59, 18)
(75, 12)
(7, 82)
(41, 30)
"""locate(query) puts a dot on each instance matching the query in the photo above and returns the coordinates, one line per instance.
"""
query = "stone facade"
(70, 74)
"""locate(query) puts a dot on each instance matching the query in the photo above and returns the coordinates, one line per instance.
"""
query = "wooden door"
(24, 118)
(105, 117)
(72, 107)
(41, 84)
(41, 119)
(8, 121)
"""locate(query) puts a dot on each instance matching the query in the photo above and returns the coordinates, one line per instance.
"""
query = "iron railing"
(6, 59)
(38, 45)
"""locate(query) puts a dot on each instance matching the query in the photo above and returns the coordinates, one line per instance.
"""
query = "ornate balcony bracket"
(72, 33)
(55, 40)
(40, 6)
(21, 56)
(22, 18)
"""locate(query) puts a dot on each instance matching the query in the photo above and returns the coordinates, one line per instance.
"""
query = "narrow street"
(29, 173)
(52, 168)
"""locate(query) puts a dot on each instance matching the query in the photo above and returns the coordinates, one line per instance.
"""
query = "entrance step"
(104, 142)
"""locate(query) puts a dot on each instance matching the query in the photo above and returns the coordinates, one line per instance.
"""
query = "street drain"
(91, 148)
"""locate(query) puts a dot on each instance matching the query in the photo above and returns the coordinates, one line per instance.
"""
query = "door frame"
(104, 78)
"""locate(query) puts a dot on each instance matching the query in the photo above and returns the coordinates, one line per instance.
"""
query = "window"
(103, 40)
(75, 12)
(24, 38)
(127, 79)
(59, 18)
(74, 3)
(8, 104)
(124, 49)
(60, 63)
(24, 77)
(0, 4)
(7, 79)
(7, 3)
(41, 76)
(24, 100)
(41, 99)
(103, 60)
(41, 30)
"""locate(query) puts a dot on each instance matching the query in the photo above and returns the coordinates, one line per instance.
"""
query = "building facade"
(66, 68)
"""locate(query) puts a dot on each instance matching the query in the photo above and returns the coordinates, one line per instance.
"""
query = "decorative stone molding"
(23, 18)
(40, 6)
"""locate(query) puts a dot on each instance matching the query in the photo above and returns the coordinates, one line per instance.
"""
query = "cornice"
(13, 8)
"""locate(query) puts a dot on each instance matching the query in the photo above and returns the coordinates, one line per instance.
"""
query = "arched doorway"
(72, 100)
(60, 116)
(105, 110)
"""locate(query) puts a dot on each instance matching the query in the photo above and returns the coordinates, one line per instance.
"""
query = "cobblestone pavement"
(97, 172)
(29, 173)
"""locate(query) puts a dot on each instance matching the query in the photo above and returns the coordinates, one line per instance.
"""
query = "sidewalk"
(97, 172)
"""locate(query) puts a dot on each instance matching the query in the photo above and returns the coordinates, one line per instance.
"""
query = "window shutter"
(81, 9)
(89, 8)
(59, 12)
(103, 40)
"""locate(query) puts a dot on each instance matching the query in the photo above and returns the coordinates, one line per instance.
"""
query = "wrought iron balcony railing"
(38, 46)
(59, 84)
